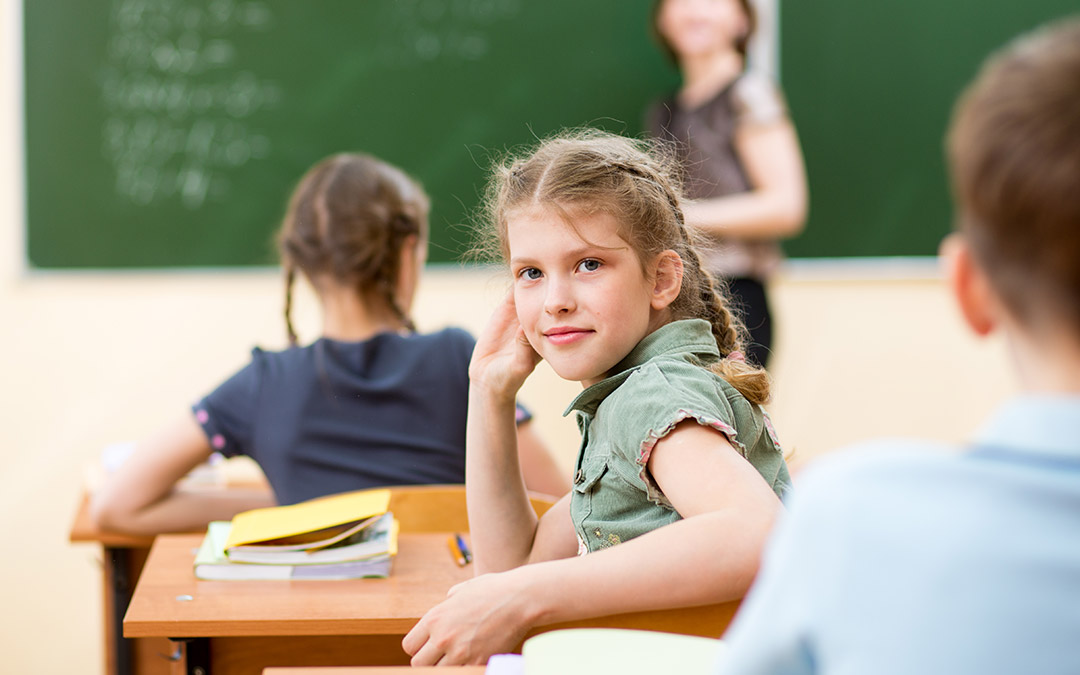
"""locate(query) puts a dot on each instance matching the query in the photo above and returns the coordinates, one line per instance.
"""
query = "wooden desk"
(123, 557)
(378, 670)
(244, 626)
(241, 627)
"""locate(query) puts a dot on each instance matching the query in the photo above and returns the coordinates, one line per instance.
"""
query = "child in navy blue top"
(369, 403)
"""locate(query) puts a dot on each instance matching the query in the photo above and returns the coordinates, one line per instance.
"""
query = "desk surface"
(422, 573)
(377, 670)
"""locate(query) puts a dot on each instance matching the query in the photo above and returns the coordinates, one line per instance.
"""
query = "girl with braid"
(370, 403)
(679, 476)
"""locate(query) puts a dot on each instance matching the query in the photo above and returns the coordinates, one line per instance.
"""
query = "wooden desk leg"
(118, 588)
(123, 656)
(192, 656)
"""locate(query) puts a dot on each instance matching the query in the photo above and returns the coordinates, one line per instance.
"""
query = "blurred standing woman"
(740, 156)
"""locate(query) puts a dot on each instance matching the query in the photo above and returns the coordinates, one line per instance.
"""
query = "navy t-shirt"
(337, 416)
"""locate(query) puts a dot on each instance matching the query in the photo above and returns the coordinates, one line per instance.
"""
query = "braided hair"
(590, 171)
(347, 220)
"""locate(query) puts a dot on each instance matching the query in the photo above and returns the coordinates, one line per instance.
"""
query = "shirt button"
(597, 532)
(579, 476)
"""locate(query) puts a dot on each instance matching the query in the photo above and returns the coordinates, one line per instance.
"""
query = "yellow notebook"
(326, 514)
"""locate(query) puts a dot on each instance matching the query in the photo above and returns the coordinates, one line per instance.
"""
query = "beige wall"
(89, 359)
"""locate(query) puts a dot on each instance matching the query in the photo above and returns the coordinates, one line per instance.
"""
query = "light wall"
(90, 359)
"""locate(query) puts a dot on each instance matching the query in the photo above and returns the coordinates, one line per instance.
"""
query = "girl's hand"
(480, 617)
(503, 357)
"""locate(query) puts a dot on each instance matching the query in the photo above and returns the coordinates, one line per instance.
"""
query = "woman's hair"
(346, 221)
(589, 171)
(1014, 150)
(742, 43)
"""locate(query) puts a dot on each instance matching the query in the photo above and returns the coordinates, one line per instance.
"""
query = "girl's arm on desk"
(142, 496)
(710, 556)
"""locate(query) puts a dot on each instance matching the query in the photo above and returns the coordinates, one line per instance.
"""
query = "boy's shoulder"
(883, 474)
(880, 459)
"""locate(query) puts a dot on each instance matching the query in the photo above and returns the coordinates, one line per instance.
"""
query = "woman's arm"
(505, 530)
(708, 557)
(775, 207)
(542, 474)
(141, 496)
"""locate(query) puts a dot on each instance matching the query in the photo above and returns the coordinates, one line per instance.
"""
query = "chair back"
(441, 508)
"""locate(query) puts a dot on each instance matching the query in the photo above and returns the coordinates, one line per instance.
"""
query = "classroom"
(868, 343)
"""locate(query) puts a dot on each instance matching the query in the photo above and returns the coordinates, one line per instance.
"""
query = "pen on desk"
(464, 548)
(455, 552)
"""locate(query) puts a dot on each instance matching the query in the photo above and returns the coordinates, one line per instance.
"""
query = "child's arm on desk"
(710, 556)
(142, 496)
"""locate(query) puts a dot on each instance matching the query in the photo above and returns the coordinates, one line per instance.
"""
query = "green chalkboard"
(871, 86)
(170, 132)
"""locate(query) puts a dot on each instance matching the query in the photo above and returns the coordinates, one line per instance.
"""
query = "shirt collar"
(1036, 422)
(687, 339)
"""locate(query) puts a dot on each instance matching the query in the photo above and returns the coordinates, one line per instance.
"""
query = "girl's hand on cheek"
(479, 617)
(503, 358)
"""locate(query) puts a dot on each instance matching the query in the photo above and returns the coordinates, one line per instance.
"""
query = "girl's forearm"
(187, 510)
(749, 215)
(502, 522)
(718, 556)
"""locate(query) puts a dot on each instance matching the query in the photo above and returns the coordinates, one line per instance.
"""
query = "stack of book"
(346, 536)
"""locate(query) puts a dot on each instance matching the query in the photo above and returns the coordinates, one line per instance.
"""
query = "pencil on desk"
(455, 552)
(463, 547)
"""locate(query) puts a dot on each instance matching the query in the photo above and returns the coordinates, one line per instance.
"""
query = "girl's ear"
(667, 279)
(969, 285)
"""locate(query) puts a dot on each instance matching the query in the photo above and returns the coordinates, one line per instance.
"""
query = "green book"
(616, 650)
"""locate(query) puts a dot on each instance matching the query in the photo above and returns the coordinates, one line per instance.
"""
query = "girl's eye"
(530, 273)
(589, 265)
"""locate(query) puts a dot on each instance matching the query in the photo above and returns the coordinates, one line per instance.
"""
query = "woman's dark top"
(703, 139)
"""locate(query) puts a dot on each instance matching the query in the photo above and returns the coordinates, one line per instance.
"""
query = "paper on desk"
(587, 651)
(505, 664)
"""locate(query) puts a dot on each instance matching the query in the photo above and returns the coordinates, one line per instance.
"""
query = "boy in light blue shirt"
(903, 558)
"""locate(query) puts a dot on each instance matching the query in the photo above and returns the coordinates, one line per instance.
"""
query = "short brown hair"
(1014, 151)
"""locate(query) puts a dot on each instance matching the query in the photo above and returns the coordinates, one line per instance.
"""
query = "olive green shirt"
(662, 382)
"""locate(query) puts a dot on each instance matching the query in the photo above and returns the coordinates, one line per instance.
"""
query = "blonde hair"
(591, 171)
(1014, 151)
(347, 220)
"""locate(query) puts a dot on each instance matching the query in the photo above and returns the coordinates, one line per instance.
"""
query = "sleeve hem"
(654, 436)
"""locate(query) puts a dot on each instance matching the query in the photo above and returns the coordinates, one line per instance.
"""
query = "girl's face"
(700, 27)
(582, 298)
